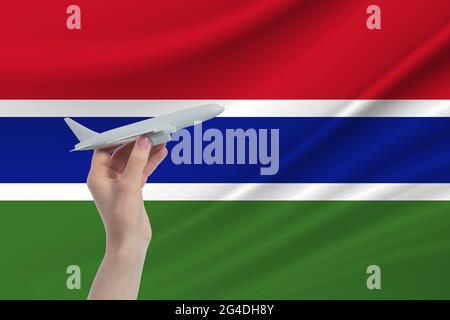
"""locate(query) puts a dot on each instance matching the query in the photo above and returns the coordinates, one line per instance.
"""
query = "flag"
(332, 154)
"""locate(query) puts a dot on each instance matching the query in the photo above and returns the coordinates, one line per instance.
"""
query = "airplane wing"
(158, 136)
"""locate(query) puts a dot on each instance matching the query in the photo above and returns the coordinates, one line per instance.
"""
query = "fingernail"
(143, 143)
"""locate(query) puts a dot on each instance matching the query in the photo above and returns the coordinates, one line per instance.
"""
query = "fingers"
(155, 158)
(101, 156)
(157, 148)
(134, 168)
(100, 160)
(120, 157)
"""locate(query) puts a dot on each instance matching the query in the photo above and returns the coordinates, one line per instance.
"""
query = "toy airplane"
(158, 129)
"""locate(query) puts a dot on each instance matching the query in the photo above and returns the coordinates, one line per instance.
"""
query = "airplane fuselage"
(158, 129)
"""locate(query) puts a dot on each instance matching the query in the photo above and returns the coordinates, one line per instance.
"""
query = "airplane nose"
(218, 109)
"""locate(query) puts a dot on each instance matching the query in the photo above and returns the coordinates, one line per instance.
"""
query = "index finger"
(101, 157)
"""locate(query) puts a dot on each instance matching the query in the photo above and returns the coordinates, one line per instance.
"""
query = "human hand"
(115, 181)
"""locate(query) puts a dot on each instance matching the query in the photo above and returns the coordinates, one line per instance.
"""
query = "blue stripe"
(324, 150)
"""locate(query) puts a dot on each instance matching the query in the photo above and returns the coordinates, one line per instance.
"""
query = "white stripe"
(240, 191)
(234, 108)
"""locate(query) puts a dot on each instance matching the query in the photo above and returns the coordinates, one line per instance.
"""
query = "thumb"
(138, 159)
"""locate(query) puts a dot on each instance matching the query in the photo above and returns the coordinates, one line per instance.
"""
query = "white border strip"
(239, 191)
(234, 108)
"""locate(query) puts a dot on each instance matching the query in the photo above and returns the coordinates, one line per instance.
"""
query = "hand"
(115, 181)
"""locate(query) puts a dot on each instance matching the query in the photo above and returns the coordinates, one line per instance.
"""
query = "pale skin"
(116, 180)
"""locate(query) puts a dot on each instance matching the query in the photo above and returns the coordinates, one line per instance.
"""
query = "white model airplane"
(158, 129)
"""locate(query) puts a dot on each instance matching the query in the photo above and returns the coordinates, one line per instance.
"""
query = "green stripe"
(238, 250)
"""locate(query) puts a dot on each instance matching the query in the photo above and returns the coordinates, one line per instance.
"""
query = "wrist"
(127, 249)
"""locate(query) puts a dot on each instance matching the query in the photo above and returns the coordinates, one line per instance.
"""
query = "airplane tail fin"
(81, 132)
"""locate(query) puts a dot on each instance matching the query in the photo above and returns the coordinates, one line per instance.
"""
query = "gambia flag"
(343, 166)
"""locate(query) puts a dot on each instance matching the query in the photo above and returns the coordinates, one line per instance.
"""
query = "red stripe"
(230, 49)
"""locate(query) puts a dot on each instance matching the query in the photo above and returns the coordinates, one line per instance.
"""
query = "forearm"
(120, 272)
(115, 181)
